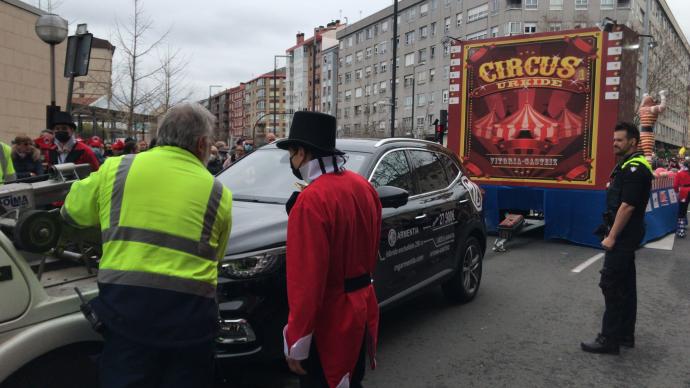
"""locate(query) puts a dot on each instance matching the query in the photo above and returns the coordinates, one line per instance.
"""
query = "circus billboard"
(527, 110)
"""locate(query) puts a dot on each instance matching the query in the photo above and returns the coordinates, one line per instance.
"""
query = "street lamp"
(52, 29)
(414, 81)
(275, 88)
(210, 87)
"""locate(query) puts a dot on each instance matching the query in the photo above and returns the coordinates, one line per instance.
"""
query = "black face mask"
(295, 171)
(62, 136)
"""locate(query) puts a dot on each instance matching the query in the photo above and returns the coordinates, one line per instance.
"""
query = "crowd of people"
(61, 144)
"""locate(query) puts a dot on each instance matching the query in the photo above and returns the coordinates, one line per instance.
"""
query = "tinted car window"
(265, 176)
(452, 169)
(393, 170)
(429, 170)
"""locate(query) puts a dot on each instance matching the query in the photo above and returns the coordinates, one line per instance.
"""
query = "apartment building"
(236, 106)
(425, 28)
(304, 67)
(329, 81)
(265, 105)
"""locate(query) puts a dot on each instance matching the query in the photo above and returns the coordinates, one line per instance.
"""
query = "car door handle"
(420, 217)
(463, 201)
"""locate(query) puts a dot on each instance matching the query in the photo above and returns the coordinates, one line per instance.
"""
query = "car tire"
(464, 284)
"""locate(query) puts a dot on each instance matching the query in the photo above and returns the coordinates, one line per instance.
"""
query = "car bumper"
(253, 313)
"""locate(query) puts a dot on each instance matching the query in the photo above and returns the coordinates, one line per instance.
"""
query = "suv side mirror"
(392, 196)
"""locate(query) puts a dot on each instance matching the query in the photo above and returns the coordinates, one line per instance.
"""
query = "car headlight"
(253, 264)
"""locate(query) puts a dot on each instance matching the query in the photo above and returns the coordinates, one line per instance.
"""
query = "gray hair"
(184, 124)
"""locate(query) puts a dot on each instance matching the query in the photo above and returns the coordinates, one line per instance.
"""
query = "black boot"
(627, 341)
(601, 345)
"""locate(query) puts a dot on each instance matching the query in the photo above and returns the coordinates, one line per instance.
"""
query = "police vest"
(7, 174)
(614, 192)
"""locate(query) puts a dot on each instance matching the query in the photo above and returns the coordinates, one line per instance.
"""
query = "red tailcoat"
(333, 234)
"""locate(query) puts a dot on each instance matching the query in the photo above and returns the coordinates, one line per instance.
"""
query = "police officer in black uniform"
(626, 200)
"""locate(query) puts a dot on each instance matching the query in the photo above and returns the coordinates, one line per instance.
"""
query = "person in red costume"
(681, 185)
(66, 149)
(334, 226)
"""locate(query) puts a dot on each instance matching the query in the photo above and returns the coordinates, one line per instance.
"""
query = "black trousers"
(126, 364)
(315, 377)
(683, 209)
(619, 286)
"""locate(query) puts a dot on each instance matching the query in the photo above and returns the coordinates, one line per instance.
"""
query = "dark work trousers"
(127, 364)
(619, 286)
(683, 209)
(315, 377)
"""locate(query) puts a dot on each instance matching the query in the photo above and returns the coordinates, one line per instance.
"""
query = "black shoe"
(627, 341)
(601, 345)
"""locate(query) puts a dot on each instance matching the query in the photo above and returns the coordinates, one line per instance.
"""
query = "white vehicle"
(45, 341)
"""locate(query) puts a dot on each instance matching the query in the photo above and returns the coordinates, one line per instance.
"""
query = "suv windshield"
(264, 175)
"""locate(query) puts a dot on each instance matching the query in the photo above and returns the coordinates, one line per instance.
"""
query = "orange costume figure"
(649, 112)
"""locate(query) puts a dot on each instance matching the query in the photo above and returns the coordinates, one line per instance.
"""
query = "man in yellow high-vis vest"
(6, 165)
(165, 223)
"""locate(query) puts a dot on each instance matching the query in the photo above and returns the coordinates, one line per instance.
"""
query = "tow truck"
(45, 340)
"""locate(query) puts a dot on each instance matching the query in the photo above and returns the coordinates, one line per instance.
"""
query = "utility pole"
(395, 65)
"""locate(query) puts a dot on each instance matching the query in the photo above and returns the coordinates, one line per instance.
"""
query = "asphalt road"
(525, 326)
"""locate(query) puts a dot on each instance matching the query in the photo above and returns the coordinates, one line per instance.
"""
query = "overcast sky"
(230, 41)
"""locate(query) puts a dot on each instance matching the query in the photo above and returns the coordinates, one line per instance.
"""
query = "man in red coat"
(681, 185)
(66, 148)
(334, 226)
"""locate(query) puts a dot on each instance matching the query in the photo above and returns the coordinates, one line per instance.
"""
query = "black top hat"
(63, 118)
(312, 130)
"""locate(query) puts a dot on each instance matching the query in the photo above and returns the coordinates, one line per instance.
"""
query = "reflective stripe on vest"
(639, 159)
(115, 232)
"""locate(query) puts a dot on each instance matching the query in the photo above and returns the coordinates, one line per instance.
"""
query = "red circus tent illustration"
(527, 119)
(571, 124)
(483, 127)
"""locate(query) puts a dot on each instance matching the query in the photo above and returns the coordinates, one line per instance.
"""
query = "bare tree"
(134, 92)
(172, 89)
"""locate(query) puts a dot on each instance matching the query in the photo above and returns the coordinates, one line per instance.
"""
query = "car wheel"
(464, 284)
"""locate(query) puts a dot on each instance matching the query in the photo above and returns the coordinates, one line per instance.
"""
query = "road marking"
(587, 263)
(665, 243)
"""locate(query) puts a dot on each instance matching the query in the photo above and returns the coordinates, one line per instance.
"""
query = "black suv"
(436, 237)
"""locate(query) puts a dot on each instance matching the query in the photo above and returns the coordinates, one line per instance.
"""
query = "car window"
(264, 175)
(429, 171)
(393, 170)
(452, 169)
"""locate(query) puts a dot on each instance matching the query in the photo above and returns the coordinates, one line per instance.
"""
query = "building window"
(382, 86)
(514, 4)
(530, 28)
(494, 6)
(421, 77)
(423, 9)
(384, 26)
(408, 80)
(348, 77)
(446, 49)
(384, 67)
(444, 96)
(349, 41)
(409, 37)
(581, 4)
(368, 52)
(421, 101)
(422, 55)
(382, 47)
(358, 92)
(348, 59)
(623, 3)
(360, 55)
(433, 28)
(531, 4)
(411, 14)
(358, 74)
(556, 5)
(494, 32)
(606, 4)
(348, 97)
(367, 90)
(458, 20)
(555, 26)
(478, 13)
(432, 52)
(367, 71)
(423, 32)
(408, 100)
(370, 33)
(477, 35)
(409, 59)
(514, 28)
(446, 24)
